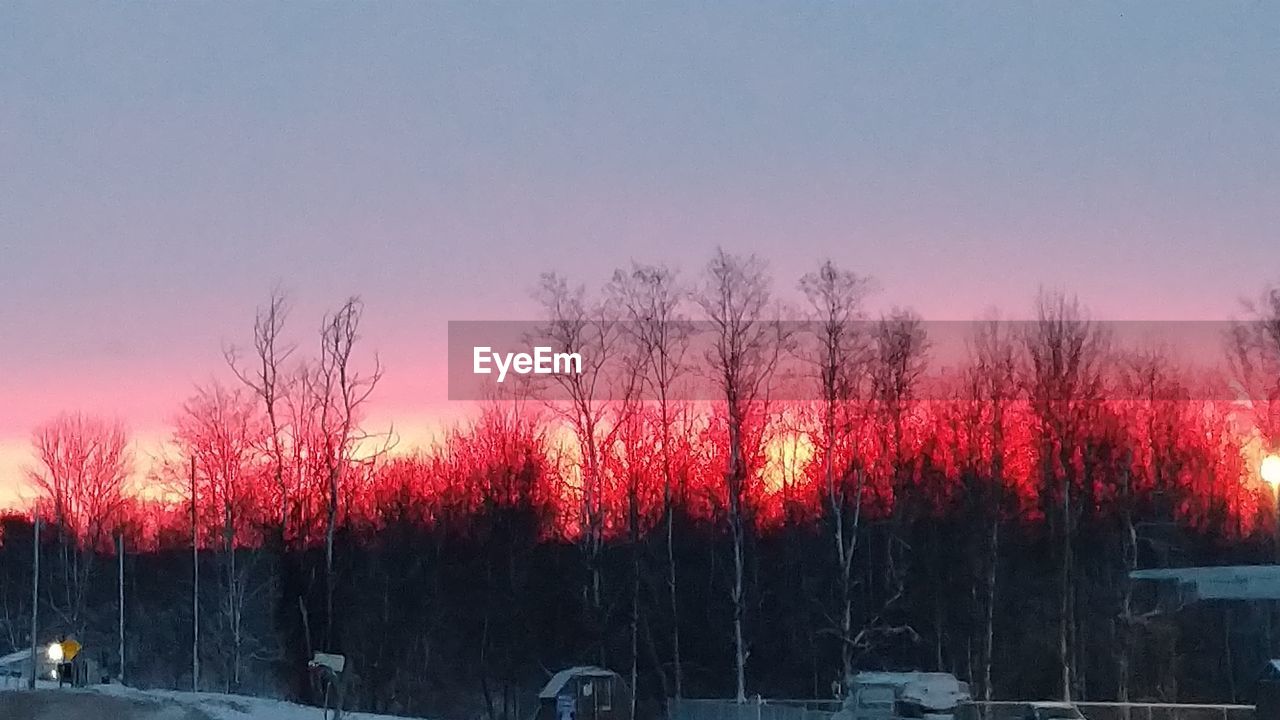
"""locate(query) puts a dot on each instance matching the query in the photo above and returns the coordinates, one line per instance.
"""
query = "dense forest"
(981, 521)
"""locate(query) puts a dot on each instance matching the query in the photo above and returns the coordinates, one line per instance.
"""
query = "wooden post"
(120, 603)
(35, 600)
(195, 586)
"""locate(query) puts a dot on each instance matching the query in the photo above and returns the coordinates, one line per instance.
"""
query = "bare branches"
(340, 392)
(835, 299)
(84, 464)
(266, 376)
(1064, 352)
(589, 329)
(748, 338)
(343, 389)
(746, 345)
(1253, 355)
(221, 432)
(840, 353)
(651, 298)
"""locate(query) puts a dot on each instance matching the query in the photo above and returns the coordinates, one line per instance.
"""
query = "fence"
(772, 709)
(1158, 711)
(1112, 711)
(755, 708)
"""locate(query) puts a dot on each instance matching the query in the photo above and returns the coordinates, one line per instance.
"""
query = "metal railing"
(1112, 711)
(755, 708)
(1165, 711)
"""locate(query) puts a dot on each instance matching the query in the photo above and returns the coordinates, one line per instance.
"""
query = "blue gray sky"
(165, 164)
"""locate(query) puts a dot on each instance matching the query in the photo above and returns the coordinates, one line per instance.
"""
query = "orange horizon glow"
(456, 463)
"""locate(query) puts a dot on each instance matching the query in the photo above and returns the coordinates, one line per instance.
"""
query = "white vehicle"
(894, 695)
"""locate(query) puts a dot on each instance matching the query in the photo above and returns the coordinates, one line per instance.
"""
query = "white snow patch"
(221, 706)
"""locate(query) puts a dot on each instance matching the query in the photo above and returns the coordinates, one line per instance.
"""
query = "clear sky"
(163, 165)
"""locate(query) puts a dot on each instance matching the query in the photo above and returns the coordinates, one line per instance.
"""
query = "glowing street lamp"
(55, 652)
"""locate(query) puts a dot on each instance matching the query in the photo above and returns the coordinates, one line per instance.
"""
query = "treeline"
(981, 521)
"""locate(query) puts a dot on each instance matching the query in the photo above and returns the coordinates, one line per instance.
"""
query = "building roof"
(560, 679)
(18, 657)
(1228, 582)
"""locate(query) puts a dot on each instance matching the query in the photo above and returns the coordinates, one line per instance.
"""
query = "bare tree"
(264, 375)
(221, 431)
(340, 394)
(1253, 352)
(577, 325)
(1157, 404)
(35, 595)
(195, 579)
(745, 348)
(993, 390)
(835, 299)
(629, 458)
(651, 298)
(899, 358)
(1064, 353)
(83, 465)
(306, 463)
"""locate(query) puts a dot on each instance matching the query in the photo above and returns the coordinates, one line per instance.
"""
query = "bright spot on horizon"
(786, 457)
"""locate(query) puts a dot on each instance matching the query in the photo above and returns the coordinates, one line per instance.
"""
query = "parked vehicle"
(895, 695)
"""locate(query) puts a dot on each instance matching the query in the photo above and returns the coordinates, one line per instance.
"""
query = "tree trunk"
(120, 600)
(988, 645)
(1065, 605)
(669, 513)
(736, 478)
(635, 599)
(195, 585)
(331, 521)
(35, 600)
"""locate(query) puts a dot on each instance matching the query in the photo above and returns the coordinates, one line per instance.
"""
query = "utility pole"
(195, 587)
(120, 603)
(35, 600)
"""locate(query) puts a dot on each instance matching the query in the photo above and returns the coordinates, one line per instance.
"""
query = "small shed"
(15, 668)
(585, 692)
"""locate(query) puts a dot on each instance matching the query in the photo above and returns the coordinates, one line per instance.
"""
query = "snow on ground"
(220, 706)
(116, 702)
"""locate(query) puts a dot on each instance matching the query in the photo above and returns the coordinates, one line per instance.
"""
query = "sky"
(163, 166)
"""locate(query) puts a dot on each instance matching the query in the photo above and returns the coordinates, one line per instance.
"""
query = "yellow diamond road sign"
(70, 648)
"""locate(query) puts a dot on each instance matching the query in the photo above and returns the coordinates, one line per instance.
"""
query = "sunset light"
(786, 460)
(559, 360)
(1269, 470)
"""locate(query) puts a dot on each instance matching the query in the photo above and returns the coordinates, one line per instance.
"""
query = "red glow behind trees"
(1046, 434)
(1187, 449)
(1045, 438)
(83, 464)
